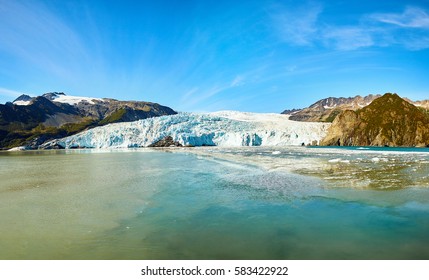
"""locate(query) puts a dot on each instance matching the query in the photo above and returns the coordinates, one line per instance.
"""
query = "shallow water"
(215, 203)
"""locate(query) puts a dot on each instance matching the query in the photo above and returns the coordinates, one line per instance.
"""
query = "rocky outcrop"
(166, 142)
(290, 111)
(387, 121)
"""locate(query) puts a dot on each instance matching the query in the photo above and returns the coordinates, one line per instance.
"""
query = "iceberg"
(225, 128)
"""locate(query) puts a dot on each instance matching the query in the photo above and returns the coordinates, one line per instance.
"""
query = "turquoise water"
(215, 203)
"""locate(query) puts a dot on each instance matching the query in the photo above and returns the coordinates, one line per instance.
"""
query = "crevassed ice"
(224, 128)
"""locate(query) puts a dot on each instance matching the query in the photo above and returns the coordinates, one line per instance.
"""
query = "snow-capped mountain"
(60, 97)
(224, 128)
(30, 121)
(91, 107)
(325, 110)
(23, 100)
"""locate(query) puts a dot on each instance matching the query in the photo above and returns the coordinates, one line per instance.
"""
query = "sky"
(203, 56)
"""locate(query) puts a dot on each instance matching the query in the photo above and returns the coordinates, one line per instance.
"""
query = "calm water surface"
(215, 203)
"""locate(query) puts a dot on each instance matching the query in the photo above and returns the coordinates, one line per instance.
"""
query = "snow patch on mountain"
(60, 97)
(21, 103)
(22, 100)
(224, 128)
(73, 100)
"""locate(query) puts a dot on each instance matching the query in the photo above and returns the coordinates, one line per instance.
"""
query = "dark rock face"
(38, 111)
(51, 95)
(387, 121)
(290, 112)
(166, 142)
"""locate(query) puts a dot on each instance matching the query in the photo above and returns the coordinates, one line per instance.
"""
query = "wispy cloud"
(306, 27)
(298, 26)
(416, 43)
(203, 94)
(197, 96)
(10, 93)
(186, 97)
(238, 81)
(200, 95)
(348, 38)
(37, 36)
(412, 17)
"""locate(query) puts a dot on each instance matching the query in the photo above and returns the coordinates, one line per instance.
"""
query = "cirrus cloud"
(412, 17)
(306, 27)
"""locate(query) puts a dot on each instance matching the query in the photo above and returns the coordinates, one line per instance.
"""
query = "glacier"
(225, 128)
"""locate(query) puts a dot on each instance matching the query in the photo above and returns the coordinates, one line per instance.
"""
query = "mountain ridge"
(326, 109)
(373, 120)
(387, 121)
(30, 121)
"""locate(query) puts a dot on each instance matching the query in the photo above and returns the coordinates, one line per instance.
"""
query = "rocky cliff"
(387, 121)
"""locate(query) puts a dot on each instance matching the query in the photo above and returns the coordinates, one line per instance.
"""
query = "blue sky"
(259, 56)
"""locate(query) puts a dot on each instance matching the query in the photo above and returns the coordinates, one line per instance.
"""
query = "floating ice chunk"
(276, 153)
(375, 159)
(334, 160)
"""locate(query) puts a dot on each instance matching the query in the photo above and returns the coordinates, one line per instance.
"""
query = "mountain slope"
(37, 111)
(388, 120)
(325, 110)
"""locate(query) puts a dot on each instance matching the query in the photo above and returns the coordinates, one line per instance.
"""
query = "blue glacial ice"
(225, 128)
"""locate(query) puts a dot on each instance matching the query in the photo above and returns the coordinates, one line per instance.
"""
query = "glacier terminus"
(224, 128)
